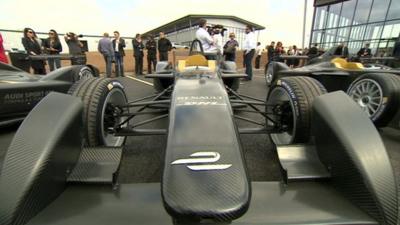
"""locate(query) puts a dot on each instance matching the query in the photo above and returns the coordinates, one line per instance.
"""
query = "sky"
(283, 19)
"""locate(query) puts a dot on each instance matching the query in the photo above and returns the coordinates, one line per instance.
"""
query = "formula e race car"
(334, 166)
(21, 91)
(375, 87)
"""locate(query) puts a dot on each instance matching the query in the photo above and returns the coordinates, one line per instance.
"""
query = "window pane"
(357, 33)
(374, 31)
(391, 29)
(343, 34)
(362, 11)
(333, 16)
(346, 16)
(316, 38)
(320, 17)
(379, 10)
(330, 35)
(394, 10)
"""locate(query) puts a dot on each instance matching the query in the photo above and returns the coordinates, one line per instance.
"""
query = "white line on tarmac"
(139, 80)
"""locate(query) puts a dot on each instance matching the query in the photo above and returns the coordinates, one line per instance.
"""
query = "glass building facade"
(357, 22)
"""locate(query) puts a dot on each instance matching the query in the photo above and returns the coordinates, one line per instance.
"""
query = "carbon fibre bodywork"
(21, 91)
(205, 178)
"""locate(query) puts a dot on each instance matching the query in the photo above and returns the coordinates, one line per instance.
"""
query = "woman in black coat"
(52, 46)
(32, 47)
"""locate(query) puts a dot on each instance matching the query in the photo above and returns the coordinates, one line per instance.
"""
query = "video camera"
(72, 34)
(216, 29)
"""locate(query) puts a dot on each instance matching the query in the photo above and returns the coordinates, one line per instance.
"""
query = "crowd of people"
(210, 37)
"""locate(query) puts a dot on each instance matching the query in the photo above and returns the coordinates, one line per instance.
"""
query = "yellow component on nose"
(196, 60)
(341, 63)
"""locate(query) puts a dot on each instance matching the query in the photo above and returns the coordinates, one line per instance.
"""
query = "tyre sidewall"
(110, 87)
(294, 105)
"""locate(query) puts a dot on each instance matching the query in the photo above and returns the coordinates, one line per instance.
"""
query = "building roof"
(326, 2)
(192, 20)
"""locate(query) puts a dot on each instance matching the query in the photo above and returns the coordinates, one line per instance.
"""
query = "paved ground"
(143, 159)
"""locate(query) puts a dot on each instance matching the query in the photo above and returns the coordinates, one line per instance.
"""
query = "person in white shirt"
(259, 51)
(206, 40)
(249, 50)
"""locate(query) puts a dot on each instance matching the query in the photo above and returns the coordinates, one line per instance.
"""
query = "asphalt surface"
(143, 156)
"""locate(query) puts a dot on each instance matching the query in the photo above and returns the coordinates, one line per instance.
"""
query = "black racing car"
(375, 87)
(334, 166)
(21, 91)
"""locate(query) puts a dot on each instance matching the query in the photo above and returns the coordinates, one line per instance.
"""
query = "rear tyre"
(378, 95)
(102, 99)
(83, 72)
(289, 101)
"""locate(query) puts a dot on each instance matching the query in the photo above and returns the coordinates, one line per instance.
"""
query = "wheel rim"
(85, 73)
(280, 98)
(367, 93)
(115, 98)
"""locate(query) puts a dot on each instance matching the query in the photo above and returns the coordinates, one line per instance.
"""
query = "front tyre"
(103, 100)
(289, 101)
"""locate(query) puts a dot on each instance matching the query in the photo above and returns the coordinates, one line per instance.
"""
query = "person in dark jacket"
(52, 45)
(119, 53)
(164, 46)
(342, 51)
(138, 47)
(396, 54)
(364, 52)
(313, 52)
(271, 50)
(151, 47)
(32, 47)
(106, 49)
(396, 49)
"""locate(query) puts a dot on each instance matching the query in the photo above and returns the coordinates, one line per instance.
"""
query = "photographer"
(217, 37)
(206, 40)
(75, 48)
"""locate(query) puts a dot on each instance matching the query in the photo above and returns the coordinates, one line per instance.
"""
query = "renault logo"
(200, 161)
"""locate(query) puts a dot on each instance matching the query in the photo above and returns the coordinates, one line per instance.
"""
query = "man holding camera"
(75, 48)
